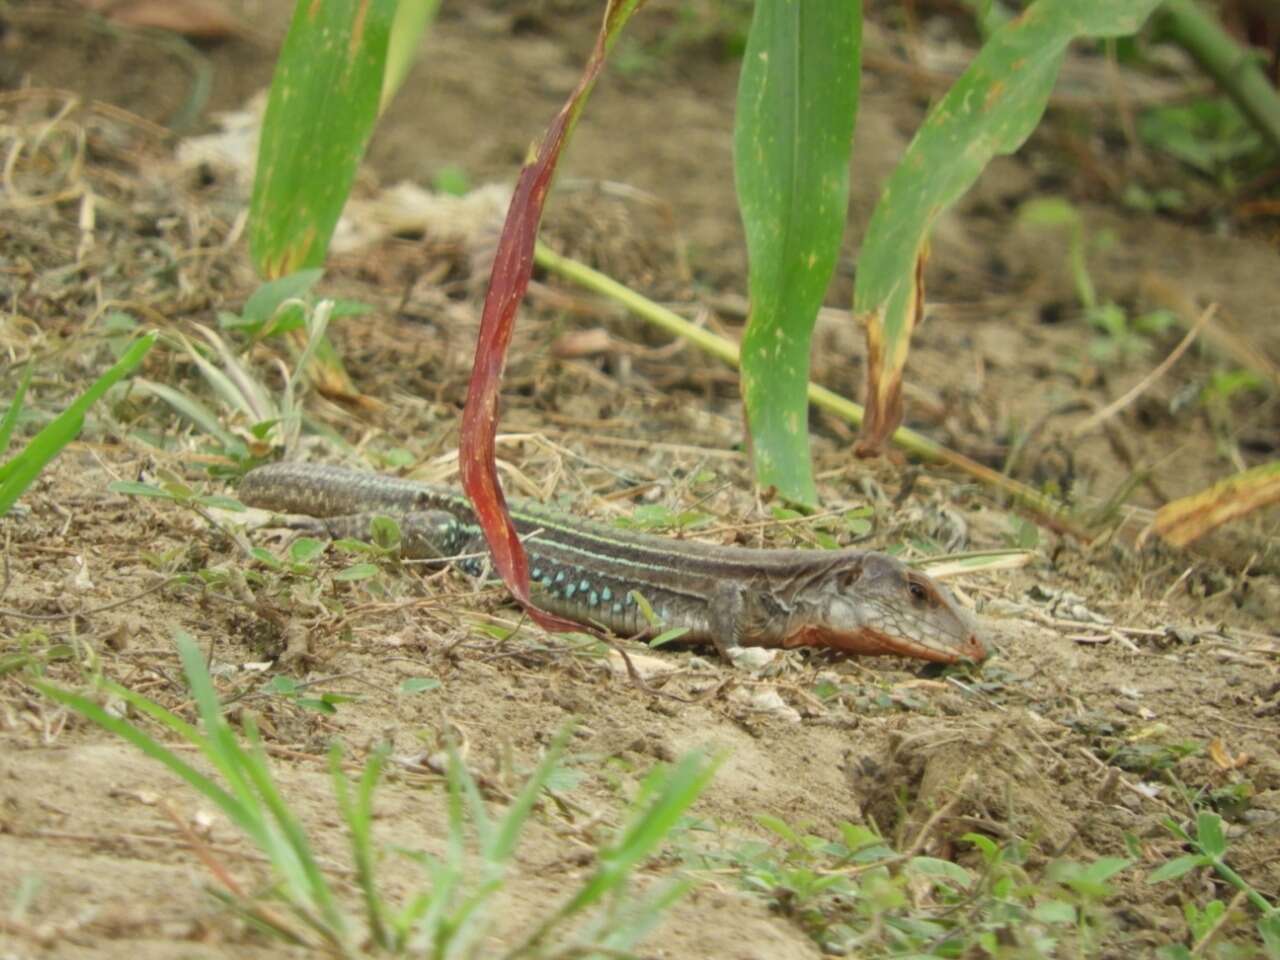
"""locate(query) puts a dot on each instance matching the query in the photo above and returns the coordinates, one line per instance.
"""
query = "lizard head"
(875, 604)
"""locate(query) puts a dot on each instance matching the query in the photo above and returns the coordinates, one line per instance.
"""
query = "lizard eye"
(918, 593)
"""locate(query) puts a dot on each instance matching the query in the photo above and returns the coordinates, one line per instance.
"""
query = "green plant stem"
(1239, 882)
(1049, 511)
(1234, 68)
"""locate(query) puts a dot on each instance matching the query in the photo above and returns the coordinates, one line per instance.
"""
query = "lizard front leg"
(739, 616)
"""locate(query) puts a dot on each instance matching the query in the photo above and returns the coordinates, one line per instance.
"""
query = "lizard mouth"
(868, 641)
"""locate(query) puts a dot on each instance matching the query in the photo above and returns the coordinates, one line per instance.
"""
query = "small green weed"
(1209, 849)
(856, 896)
(259, 422)
(657, 517)
(295, 691)
(1211, 136)
(449, 917)
(32, 651)
(1120, 337)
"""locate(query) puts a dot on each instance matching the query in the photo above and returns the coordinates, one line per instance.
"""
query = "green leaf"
(305, 549)
(385, 532)
(283, 685)
(1049, 212)
(991, 109)
(324, 100)
(945, 869)
(1055, 912)
(1269, 930)
(10, 419)
(1104, 868)
(17, 474)
(419, 684)
(793, 133)
(320, 705)
(136, 488)
(986, 846)
(666, 636)
(856, 836)
(646, 609)
(451, 180)
(1209, 834)
(357, 571)
(263, 303)
(781, 828)
(1177, 867)
(265, 557)
(220, 502)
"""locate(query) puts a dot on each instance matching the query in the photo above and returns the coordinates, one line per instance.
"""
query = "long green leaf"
(991, 109)
(324, 101)
(358, 814)
(674, 790)
(797, 102)
(15, 407)
(17, 474)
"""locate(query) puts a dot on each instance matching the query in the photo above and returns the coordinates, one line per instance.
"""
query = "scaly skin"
(850, 600)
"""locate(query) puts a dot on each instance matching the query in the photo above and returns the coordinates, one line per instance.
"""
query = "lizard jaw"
(868, 641)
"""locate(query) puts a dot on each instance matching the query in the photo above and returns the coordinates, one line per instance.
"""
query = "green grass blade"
(412, 19)
(235, 383)
(460, 779)
(991, 109)
(323, 104)
(797, 100)
(1269, 931)
(497, 844)
(221, 746)
(164, 717)
(236, 811)
(673, 792)
(15, 407)
(358, 813)
(663, 798)
(308, 876)
(220, 382)
(18, 473)
(247, 774)
(189, 408)
(637, 919)
(502, 842)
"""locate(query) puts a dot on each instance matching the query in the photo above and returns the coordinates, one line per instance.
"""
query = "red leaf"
(507, 285)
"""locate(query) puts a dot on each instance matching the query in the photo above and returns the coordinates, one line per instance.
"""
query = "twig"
(1111, 409)
(168, 581)
(1048, 511)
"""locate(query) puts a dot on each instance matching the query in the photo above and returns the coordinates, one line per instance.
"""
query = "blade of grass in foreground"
(797, 103)
(15, 408)
(508, 282)
(16, 475)
(991, 109)
(453, 911)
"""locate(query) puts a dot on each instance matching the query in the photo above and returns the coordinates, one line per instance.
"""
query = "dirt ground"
(1128, 681)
